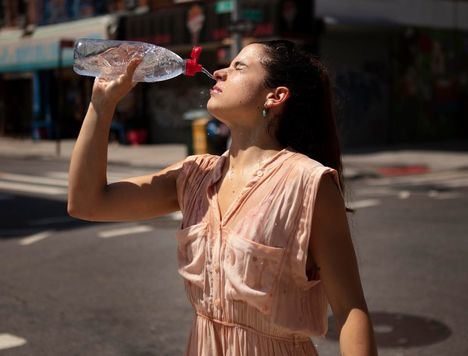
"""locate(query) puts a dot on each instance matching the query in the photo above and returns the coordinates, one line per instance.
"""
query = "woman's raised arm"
(90, 197)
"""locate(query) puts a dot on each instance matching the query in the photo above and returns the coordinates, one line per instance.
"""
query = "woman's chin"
(213, 109)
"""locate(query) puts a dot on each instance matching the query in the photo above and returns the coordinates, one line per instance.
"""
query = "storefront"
(397, 84)
(38, 87)
(400, 71)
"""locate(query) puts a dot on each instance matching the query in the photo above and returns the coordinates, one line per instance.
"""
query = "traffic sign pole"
(236, 35)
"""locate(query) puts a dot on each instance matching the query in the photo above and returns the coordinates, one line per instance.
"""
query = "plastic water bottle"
(109, 59)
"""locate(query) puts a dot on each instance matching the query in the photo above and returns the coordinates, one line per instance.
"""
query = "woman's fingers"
(131, 68)
(108, 92)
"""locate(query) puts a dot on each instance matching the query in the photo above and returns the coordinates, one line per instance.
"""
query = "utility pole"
(236, 36)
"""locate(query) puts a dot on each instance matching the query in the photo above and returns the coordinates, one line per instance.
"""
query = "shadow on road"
(27, 215)
(401, 330)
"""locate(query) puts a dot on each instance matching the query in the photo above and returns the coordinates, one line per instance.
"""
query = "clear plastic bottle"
(109, 59)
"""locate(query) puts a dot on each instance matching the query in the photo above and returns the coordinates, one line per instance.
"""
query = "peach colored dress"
(245, 275)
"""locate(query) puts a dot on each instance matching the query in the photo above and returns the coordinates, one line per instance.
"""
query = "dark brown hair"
(307, 123)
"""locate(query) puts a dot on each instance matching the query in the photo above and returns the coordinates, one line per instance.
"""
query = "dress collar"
(280, 156)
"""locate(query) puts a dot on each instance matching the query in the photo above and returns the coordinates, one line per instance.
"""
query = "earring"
(265, 110)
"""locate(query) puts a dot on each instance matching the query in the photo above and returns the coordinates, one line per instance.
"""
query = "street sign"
(255, 15)
(224, 6)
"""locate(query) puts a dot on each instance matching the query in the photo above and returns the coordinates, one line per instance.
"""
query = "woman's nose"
(219, 74)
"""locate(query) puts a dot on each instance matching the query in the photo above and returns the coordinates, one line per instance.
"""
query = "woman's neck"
(250, 146)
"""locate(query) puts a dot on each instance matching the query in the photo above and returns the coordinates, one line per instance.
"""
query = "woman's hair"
(307, 123)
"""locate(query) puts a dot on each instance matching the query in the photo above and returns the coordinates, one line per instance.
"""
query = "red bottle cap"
(191, 65)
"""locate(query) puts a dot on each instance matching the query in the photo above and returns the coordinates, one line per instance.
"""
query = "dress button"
(216, 268)
(259, 173)
(217, 302)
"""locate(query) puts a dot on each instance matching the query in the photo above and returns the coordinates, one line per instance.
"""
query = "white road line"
(443, 195)
(35, 238)
(363, 203)
(177, 215)
(379, 191)
(457, 183)
(31, 188)
(8, 341)
(125, 231)
(51, 220)
(404, 194)
(418, 179)
(61, 175)
(33, 179)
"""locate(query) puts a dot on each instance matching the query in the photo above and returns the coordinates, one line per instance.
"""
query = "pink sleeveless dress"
(245, 274)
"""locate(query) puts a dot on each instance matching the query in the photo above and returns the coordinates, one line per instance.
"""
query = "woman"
(264, 244)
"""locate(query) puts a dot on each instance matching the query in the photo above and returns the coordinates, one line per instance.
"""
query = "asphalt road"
(74, 288)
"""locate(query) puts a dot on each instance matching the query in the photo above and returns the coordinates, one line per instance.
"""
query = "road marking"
(457, 183)
(404, 194)
(443, 195)
(125, 231)
(61, 175)
(33, 179)
(379, 191)
(20, 187)
(177, 215)
(363, 203)
(51, 220)
(440, 177)
(8, 341)
(35, 238)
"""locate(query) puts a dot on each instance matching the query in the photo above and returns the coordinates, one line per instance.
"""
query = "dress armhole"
(187, 177)
(181, 181)
(300, 248)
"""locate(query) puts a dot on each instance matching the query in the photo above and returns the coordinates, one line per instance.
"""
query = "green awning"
(41, 49)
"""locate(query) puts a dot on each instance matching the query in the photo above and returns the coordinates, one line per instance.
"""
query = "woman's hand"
(107, 93)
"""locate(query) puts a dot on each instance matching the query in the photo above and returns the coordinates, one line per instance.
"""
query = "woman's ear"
(278, 97)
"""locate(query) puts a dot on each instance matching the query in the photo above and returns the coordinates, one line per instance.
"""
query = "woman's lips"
(215, 90)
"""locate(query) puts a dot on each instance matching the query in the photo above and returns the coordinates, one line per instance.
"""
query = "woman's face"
(239, 94)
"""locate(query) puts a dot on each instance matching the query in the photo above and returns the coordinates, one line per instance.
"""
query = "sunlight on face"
(239, 93)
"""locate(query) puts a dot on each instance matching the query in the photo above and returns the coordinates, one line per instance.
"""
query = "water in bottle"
(109, 59)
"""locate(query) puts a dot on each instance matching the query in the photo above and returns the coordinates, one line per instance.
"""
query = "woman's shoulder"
(203, 161)
(308, 171)
(303, 164)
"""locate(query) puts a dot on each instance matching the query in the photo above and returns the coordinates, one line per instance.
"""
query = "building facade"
(401, 68)
(36, 60)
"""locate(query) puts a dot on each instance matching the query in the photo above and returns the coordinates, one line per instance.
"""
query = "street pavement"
(364, 163)
(70, 287)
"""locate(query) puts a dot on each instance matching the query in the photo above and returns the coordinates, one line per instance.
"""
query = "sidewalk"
(383, 162)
